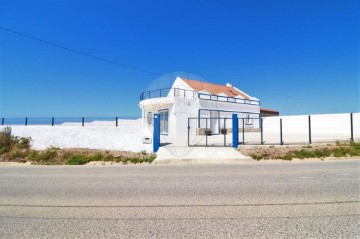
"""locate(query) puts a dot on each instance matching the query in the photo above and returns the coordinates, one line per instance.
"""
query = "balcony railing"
(190, 94)
(176, 92)
(228, 99)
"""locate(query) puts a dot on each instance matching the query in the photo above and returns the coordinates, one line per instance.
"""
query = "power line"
(78, 52)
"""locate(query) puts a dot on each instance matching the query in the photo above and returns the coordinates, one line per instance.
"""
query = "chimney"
(228, 85)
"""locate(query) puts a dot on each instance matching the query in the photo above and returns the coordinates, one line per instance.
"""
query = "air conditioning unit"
(147, 140)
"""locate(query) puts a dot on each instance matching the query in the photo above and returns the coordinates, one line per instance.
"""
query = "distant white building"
(196, 99)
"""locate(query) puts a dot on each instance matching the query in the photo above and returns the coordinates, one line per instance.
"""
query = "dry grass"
(302, 152)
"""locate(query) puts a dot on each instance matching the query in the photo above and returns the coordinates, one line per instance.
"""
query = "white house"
(204, 102)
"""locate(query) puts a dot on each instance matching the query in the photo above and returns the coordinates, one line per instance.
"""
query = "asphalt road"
(271, 200)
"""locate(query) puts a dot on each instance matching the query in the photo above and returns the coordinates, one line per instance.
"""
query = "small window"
(149, 118)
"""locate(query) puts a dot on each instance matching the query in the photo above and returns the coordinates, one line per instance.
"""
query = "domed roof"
(167, 80)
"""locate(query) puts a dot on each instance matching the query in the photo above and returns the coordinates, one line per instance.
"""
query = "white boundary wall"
(96, 135)
(324, 128)
(129, 133)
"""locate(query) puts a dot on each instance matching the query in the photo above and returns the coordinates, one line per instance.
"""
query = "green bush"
(3, 150)
(340, 151)
(49, 153)
(256, 156)
(322, 153)
(288, 156)
(355, 149)
(33, 155)
(302, 154)
(78, 159)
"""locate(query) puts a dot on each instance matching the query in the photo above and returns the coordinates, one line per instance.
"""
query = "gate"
(250, 130)
(210, 131)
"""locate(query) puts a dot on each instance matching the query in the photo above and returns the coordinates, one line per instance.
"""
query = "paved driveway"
(292, 200)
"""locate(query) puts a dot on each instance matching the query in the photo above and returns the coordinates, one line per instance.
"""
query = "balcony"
(165, 92)
(190, 94)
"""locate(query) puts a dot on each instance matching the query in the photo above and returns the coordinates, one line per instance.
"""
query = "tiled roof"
(268, 110)
(214, 88)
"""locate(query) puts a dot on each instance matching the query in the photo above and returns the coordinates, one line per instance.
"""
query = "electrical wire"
(78, 52)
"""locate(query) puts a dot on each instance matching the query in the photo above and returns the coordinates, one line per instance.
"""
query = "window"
(164, 121)
(149, 118)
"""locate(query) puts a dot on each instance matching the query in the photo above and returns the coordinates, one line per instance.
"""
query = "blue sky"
(305, 50)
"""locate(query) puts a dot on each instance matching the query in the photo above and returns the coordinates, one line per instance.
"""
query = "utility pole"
(289, 105)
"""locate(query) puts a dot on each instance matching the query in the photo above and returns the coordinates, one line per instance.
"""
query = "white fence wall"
(129, 133)
(324, 128)
(356, 124)
(96, 135)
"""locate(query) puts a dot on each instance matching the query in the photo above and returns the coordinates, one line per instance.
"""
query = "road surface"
(268, 200)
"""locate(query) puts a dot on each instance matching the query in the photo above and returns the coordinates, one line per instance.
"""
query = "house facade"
(206, 103)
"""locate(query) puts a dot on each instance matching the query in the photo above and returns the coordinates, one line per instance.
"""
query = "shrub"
(48, 156)
(10, 143)
(223, 131)
(24, 143)
(33, 155)
(6, 140)
(301, 154)
(255, 156)
(354, 149)
(16, 153)
(3, 150)
(322, 153)
(340, 151)
(287, 156)
(78, 159)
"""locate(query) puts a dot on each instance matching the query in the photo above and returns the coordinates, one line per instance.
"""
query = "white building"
(205, 103)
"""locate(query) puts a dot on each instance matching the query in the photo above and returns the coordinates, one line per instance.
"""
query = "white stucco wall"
(126, 137)
(324, 128)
